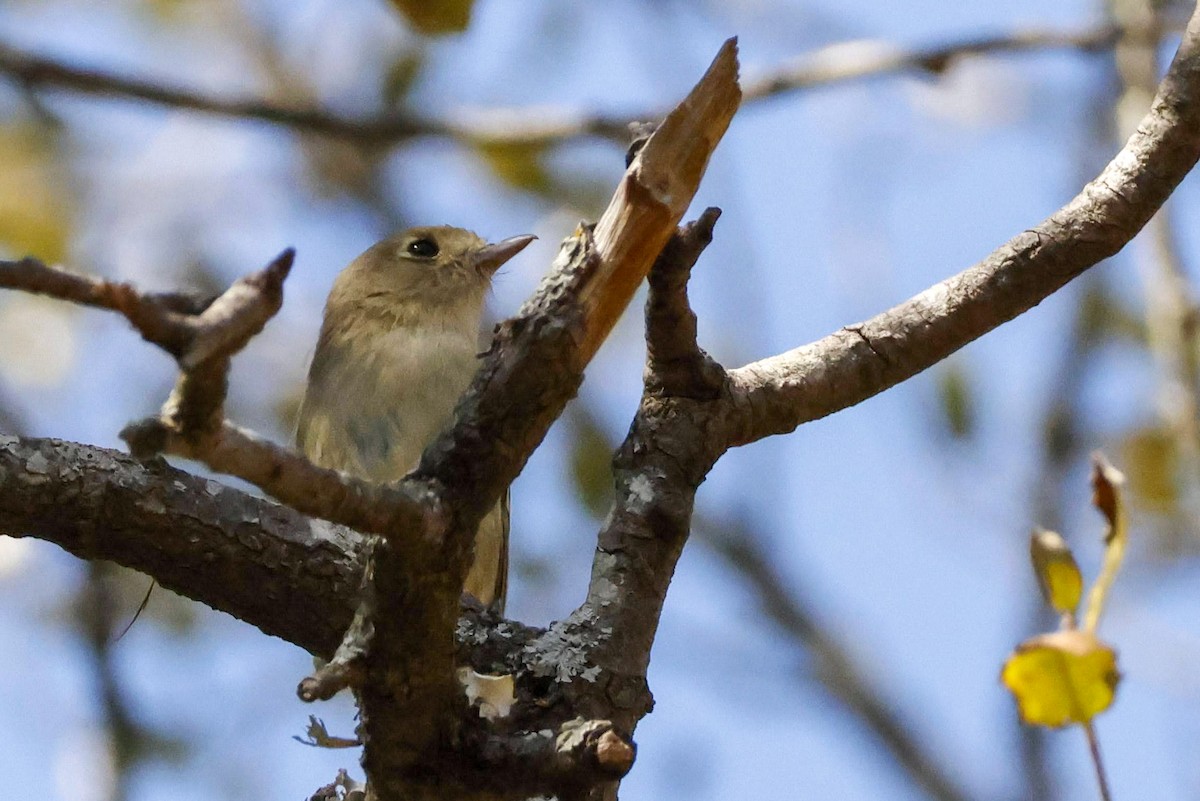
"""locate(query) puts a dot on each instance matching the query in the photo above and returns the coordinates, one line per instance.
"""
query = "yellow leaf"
(1106, 496)
(1056, 571)
(436, 16)
(1062, 677)
(35, 213)
(1151, 456)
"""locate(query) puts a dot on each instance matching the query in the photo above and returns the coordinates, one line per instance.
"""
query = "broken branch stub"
(654, 194)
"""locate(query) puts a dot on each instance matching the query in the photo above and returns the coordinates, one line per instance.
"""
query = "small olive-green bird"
(398, 347)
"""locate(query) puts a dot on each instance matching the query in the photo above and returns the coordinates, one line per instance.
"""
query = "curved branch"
(675, 364)
(777, 394)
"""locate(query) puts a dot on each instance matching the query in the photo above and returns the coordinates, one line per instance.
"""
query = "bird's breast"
(372, 406)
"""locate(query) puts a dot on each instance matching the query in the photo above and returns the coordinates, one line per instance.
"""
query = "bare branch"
(38, 71)
(289, 477)
(492, 127)
(855, 60)
(777, 394)
(837, 63)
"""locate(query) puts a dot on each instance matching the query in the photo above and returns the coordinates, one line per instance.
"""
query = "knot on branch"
(577, 756)
(595, 744)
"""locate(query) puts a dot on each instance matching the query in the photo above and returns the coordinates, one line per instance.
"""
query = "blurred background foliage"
(836, 627)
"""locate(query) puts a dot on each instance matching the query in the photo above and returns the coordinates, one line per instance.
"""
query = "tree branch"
(777, 394)
(268, 565)
(855, 60)
(839, 63)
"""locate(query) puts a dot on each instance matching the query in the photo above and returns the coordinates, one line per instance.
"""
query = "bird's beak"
(489, 258)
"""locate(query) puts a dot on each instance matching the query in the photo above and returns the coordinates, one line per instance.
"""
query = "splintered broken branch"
(655, 192)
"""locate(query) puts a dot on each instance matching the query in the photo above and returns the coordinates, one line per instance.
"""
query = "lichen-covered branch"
(291, 576)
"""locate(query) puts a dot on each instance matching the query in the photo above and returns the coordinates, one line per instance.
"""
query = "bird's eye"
(424, 248)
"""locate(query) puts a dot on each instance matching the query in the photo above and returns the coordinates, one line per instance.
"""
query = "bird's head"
(429, 269)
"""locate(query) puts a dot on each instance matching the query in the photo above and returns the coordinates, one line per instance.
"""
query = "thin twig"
(838, 63)
(1094, 748)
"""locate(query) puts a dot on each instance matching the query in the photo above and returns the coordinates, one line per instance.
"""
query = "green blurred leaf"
(1151, 458)
(591, 464)
(517, 164)
(436, 16)
(1100, 316)
(167, 10)
(35, 212)
(957, 399)
(400, 77)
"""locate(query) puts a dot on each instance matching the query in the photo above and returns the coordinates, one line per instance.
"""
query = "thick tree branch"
(207, 541)
(834, 64)
(777, 394)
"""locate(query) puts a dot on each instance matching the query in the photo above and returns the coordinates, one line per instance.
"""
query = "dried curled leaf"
(1061, 678)
(1106, 496)
(1056, 570)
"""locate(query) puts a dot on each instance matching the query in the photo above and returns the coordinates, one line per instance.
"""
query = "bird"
(398, 346)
